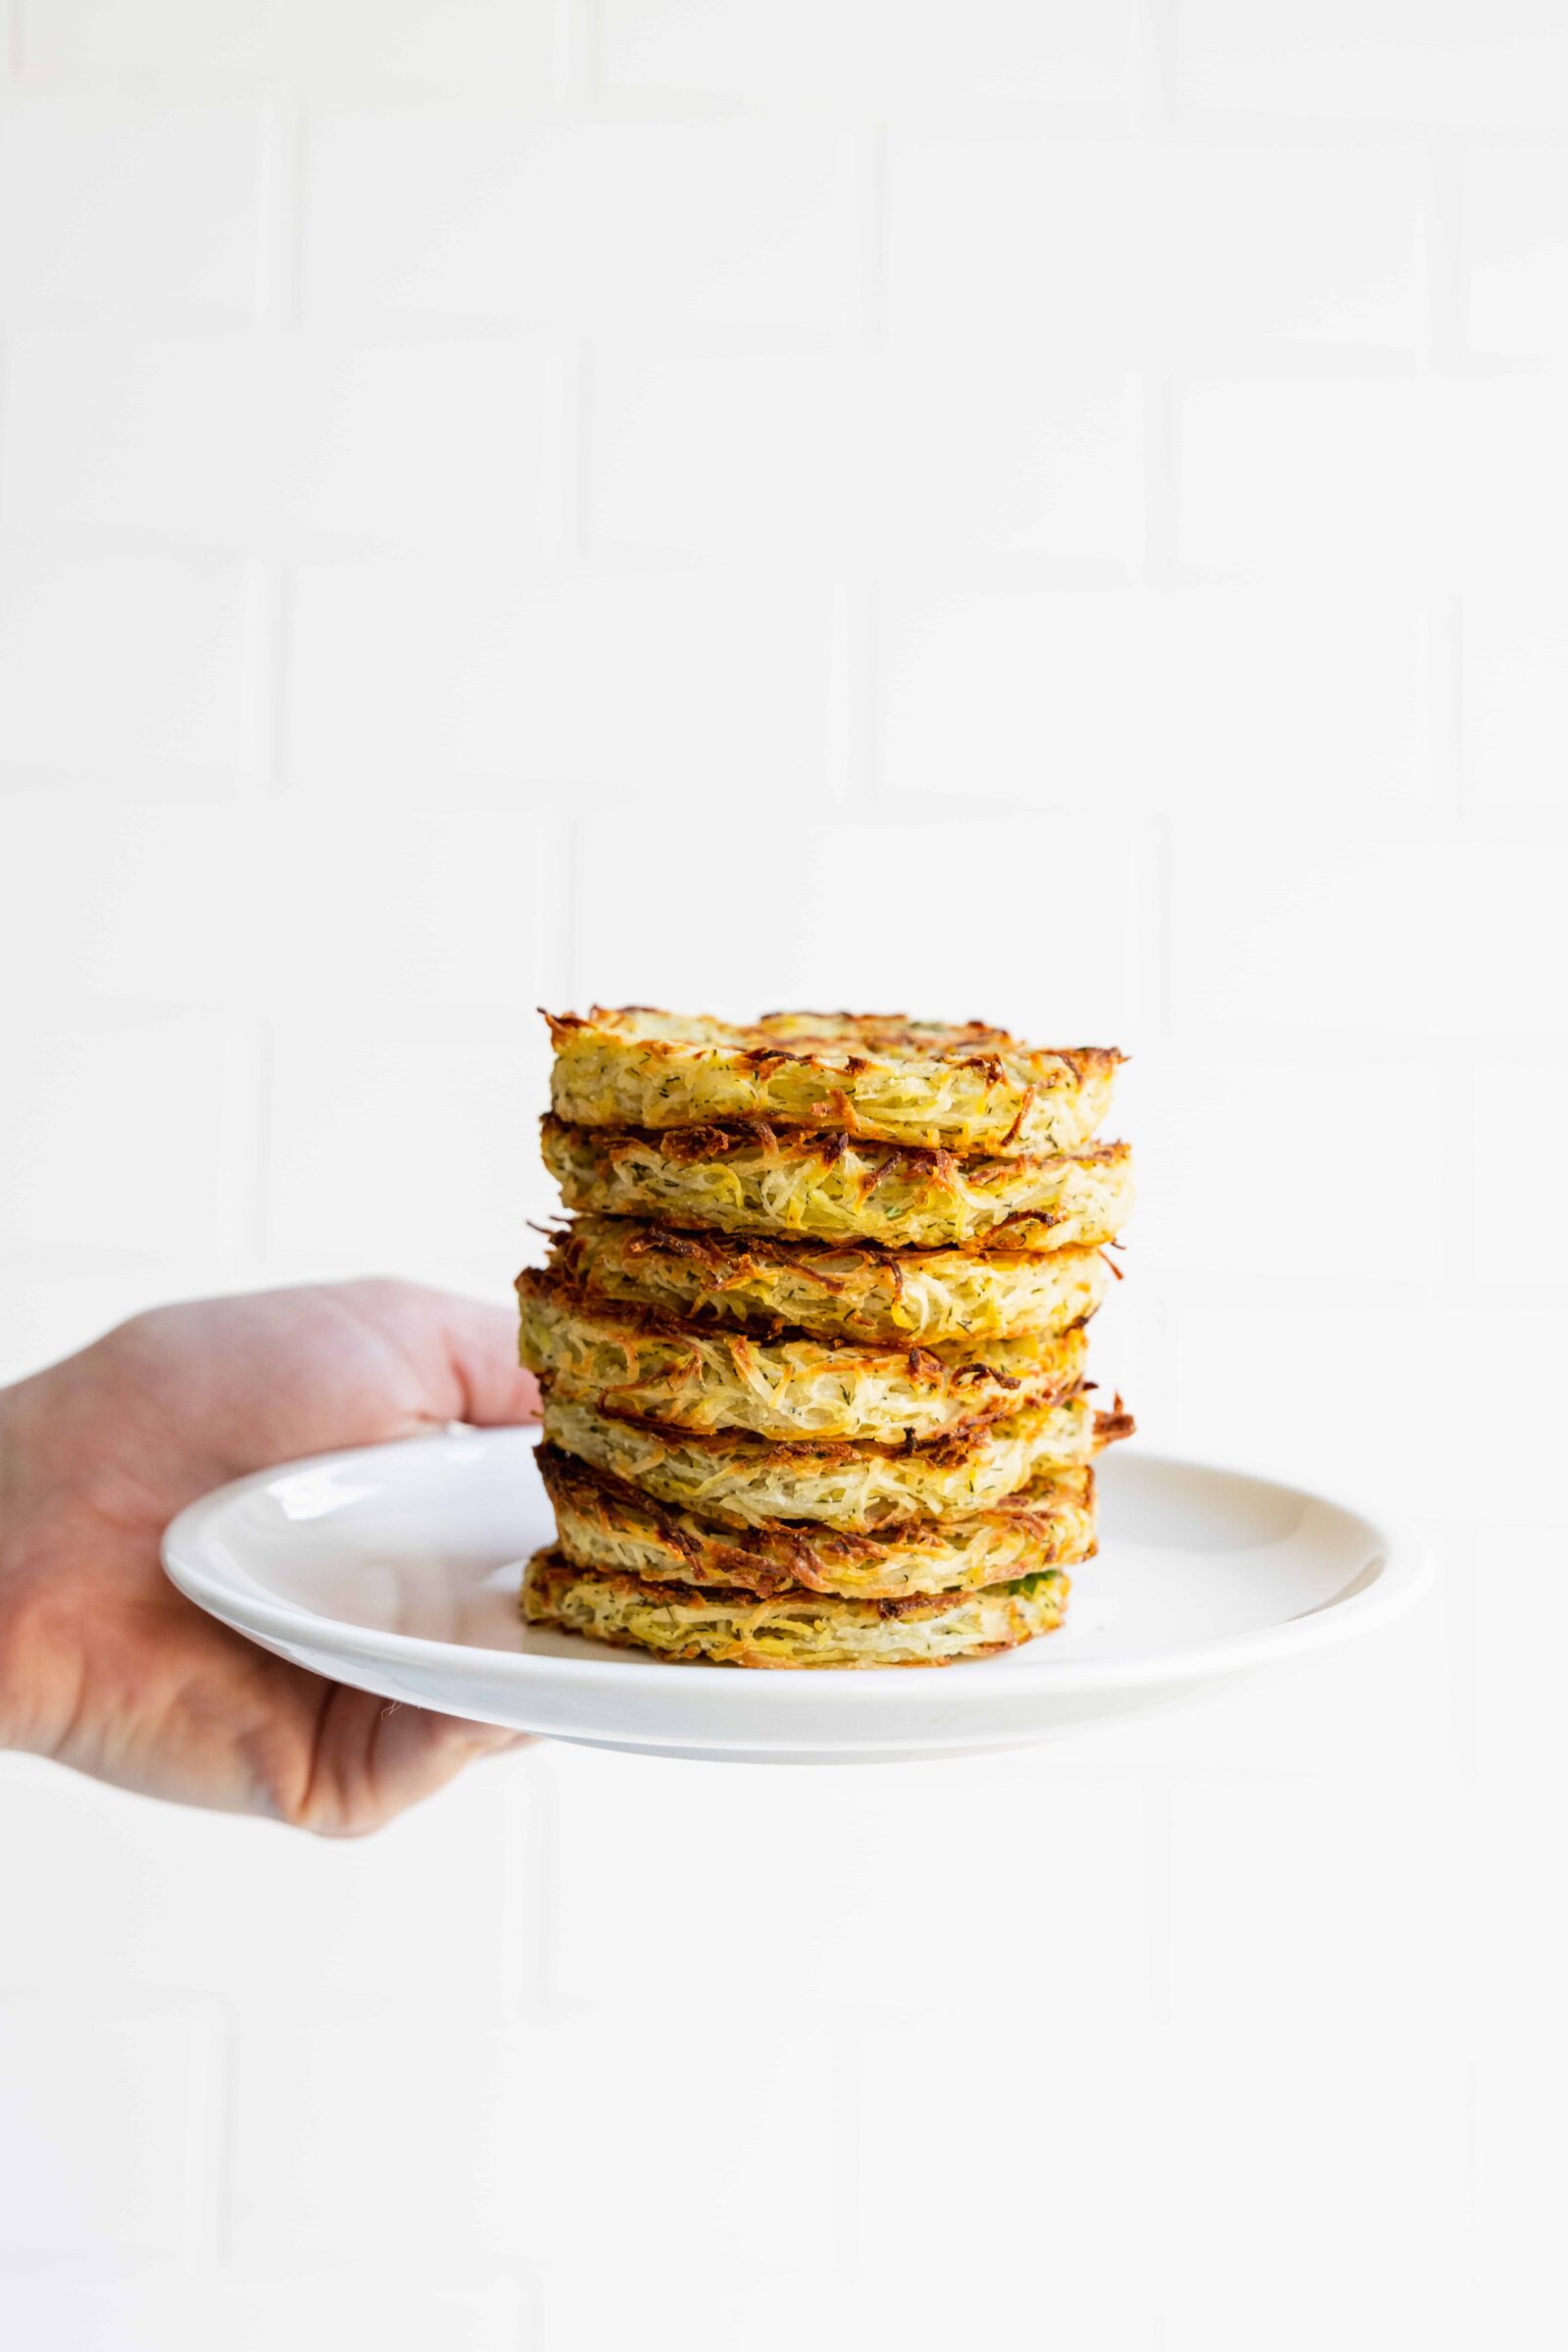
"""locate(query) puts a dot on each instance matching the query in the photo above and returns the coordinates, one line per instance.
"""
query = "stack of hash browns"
(811, 1346)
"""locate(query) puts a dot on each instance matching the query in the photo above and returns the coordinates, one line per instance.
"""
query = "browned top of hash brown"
(849, 1037)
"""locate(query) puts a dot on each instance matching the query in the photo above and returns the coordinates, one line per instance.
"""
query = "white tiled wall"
(1044, 509)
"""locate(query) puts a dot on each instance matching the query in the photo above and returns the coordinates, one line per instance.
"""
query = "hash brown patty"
(734, 1480)
(605, 1524)
(964, 1088)
(759, 1179)
(856, 1291)
(799, 1629)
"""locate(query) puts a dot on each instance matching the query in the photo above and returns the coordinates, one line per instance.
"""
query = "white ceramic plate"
(396, 1568)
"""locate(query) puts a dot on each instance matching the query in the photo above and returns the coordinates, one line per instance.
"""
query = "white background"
(1051, 510)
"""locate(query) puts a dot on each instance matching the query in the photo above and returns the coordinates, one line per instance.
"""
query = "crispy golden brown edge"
(823, 1147)
(1110, 1428)
(550, 1582)
(699, 1371)
(865, 1291)
(782, 1556)
(752, 1178)
(968, 1087)
(780, 1037)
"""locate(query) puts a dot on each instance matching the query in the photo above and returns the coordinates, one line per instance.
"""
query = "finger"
(479, 1346)
(375, 1758)
(497, 1390)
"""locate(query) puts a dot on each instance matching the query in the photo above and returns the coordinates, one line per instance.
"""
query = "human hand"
(102, 1664)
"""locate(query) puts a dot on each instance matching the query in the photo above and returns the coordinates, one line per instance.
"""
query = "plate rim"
(1404, 1576)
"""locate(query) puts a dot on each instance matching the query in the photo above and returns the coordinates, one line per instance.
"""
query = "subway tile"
(421, 912)
(55, 1301)
(1513, 651)
(385, 2129)
(1413, 484)
(1018, 240)
(1006, 691)
(1115, 249)
(108, 2128)
(1521, 2069)
(1339, 1892)
(827, 1895)
(397, 1141)
(464, 49)
(608, 2102)
(398, 2313)
(722, 453)
(721, 2307)
(1074, 53)
(888, 52)
(411, 670)
(1203, 697)
(421, 1912)
(1518, 2097)
(1040, 2130)
(79, 1165)
(1319, 477)
(1517, 1151)
(1485, 63)
(973, 448)
(1237, 1155)
(166, 2309)
(1289, 693)
(164, 641)
(1330, 2153)
(726, 48)
(148, 2311)
(242, 439)
(367, 2132)
(736, 226)
(440, 910)
(118, 431)
(1514, 247)
(891, 457)
(1521, 1618)
(1375, 935)
(1290, 244)
(418, 441)
(421, 674)
(1522, 2058)
(1502, 453)
(992, 957)
(424, 212)
(443, 916)
(1445, 1415)
(127, 204)
(139, 909)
